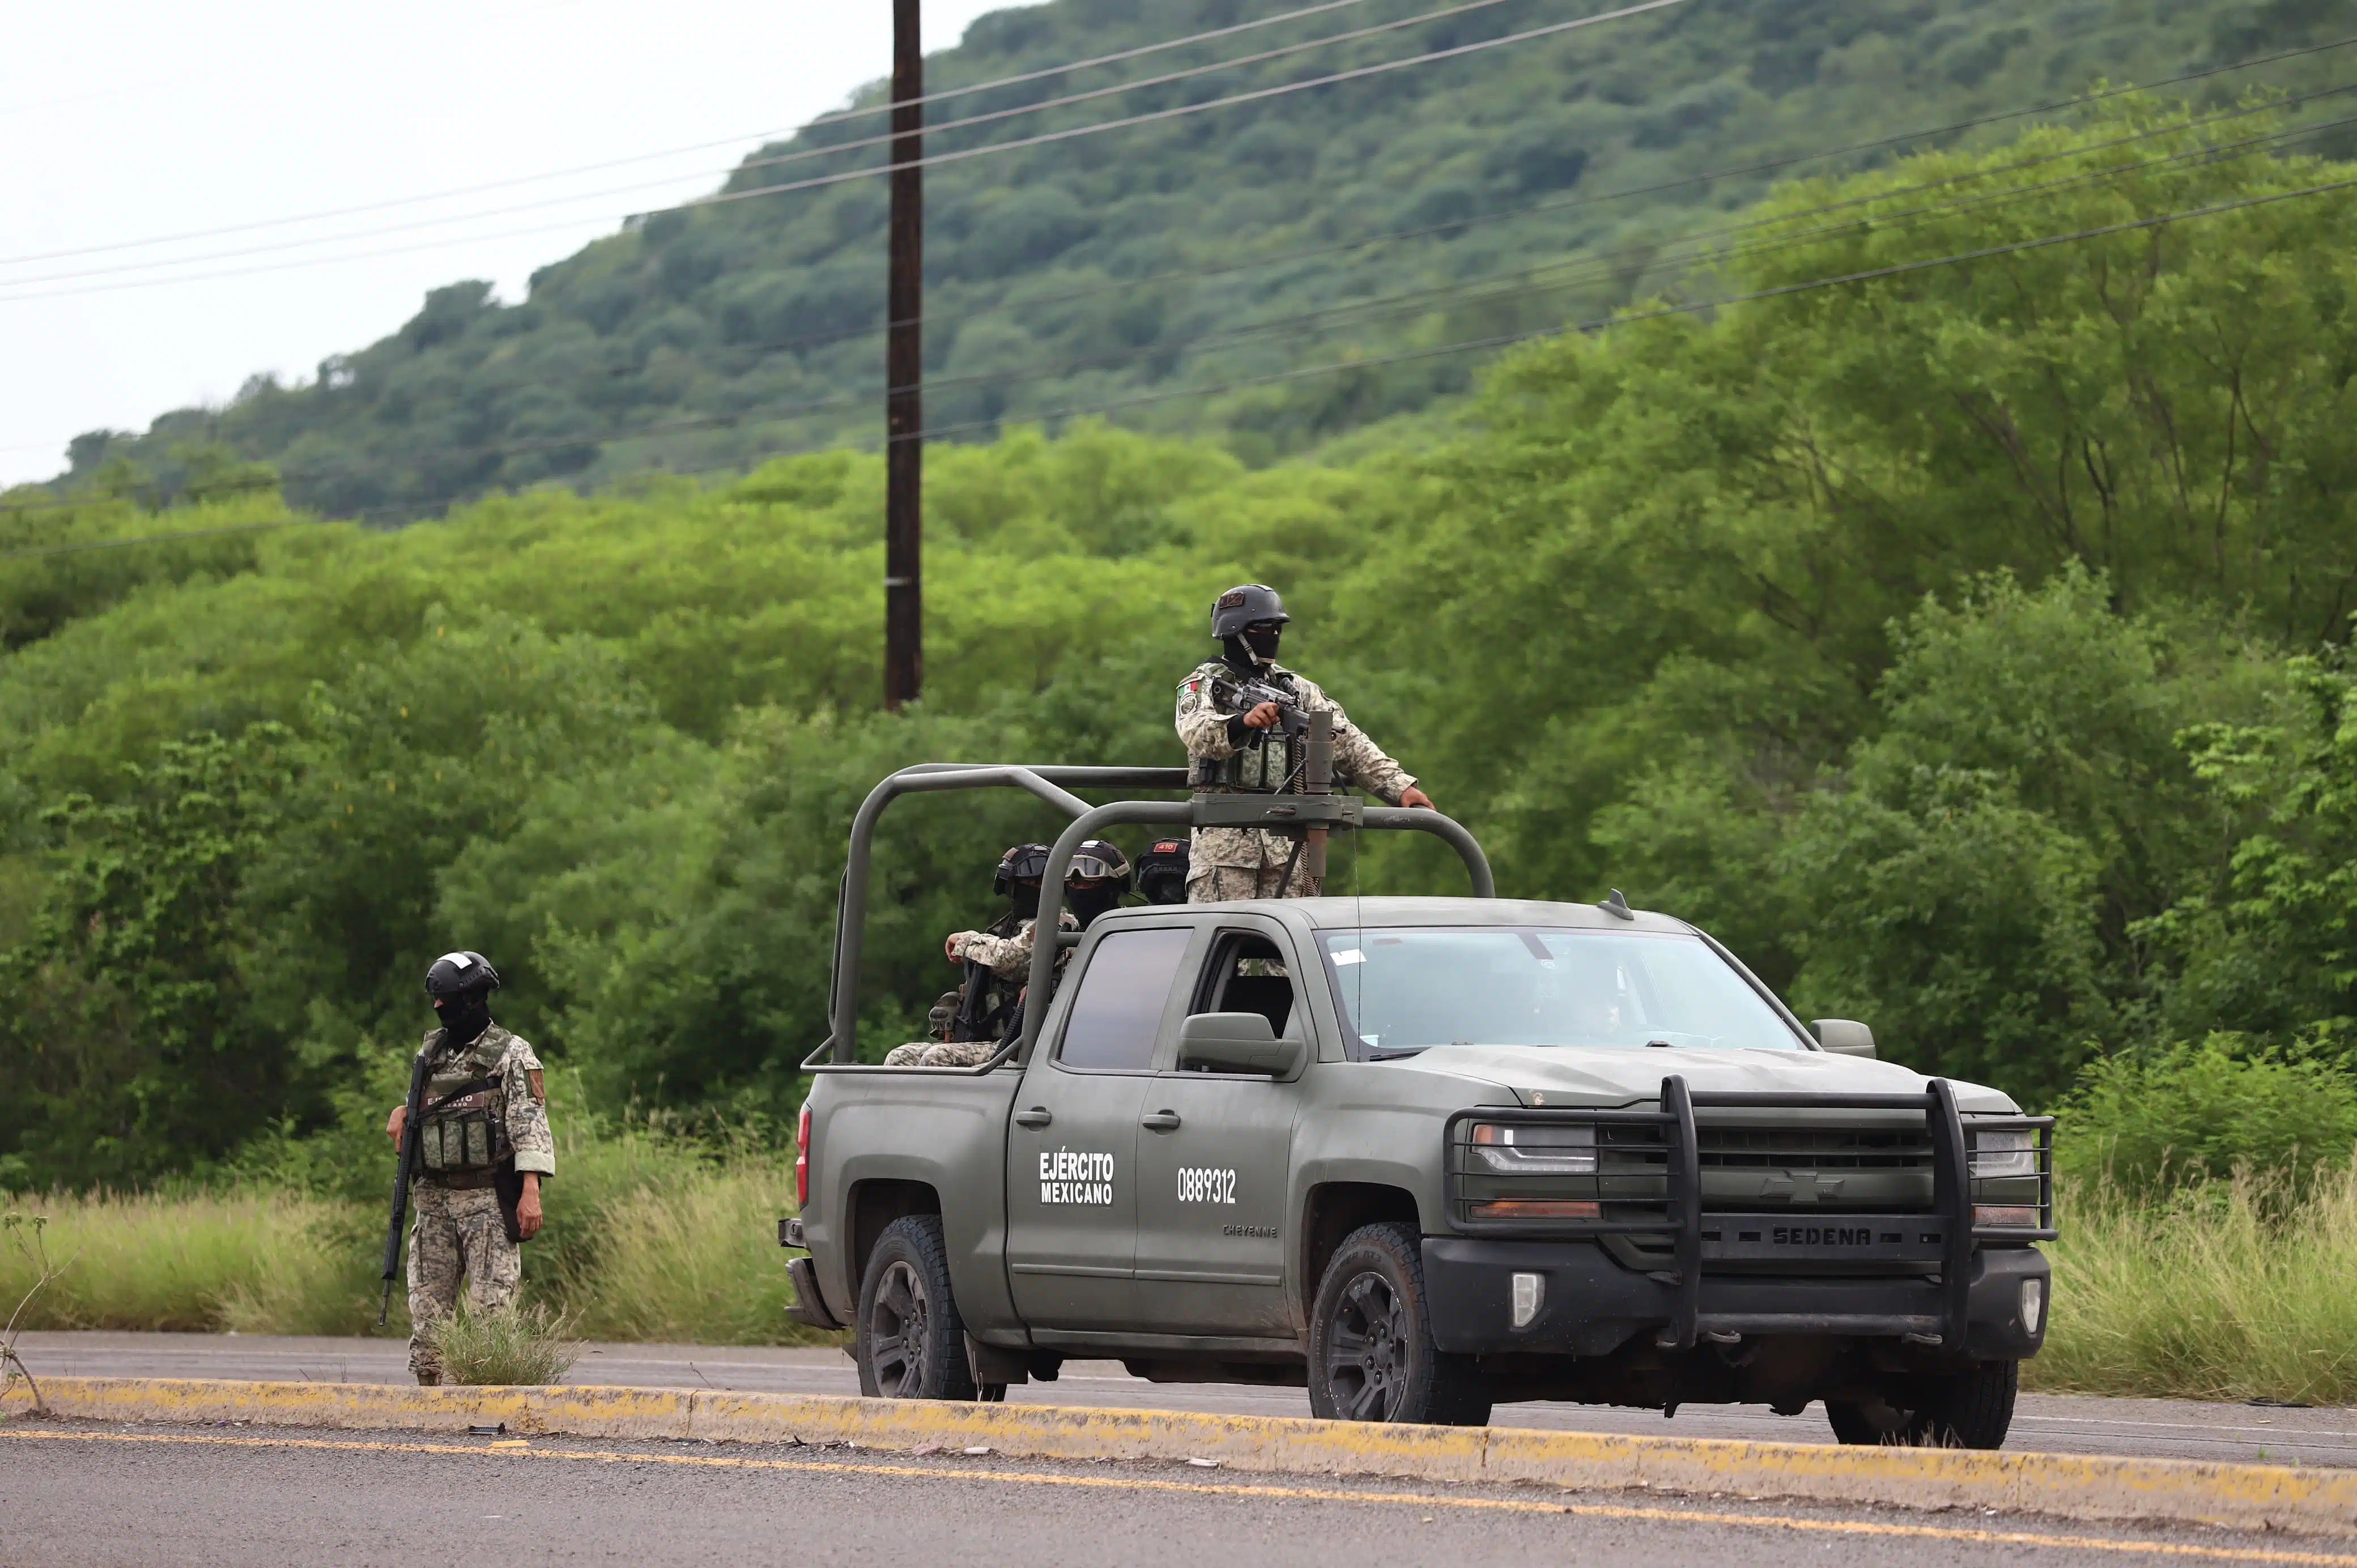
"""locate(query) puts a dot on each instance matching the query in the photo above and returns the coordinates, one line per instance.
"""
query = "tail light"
(802, 1160)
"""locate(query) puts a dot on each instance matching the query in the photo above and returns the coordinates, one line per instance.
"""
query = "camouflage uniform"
(1248, 863)
(1008, 955)
(459, 1229)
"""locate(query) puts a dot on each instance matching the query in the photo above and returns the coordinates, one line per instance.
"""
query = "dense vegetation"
(1963, 645)
(1544, 182)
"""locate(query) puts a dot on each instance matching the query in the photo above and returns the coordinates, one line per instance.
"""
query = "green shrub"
(520, 1344)
(2147, 1122)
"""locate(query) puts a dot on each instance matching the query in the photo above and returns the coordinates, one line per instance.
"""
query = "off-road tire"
(907, 1338)
(1372, 1356)
(1972, 1408)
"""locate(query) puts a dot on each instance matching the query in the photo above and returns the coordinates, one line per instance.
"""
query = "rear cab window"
(1116, 1015)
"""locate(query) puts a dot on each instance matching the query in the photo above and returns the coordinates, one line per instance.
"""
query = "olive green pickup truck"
(1422, 1154)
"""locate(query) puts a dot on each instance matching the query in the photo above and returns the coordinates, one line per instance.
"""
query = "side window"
(1247, 975)
(1119, 1006)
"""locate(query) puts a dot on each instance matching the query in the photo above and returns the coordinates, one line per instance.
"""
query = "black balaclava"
(1253, 648)
(1025, 895)
(1089, 898)
(465, 1015)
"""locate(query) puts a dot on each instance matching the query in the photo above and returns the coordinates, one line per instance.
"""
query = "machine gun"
(410, 1119)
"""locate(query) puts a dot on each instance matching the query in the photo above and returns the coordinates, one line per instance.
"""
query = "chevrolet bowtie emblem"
(1802, 1187)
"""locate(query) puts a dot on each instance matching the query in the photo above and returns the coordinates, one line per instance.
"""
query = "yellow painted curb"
(2081, 1487)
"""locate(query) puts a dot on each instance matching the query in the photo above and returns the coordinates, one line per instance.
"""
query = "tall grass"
(650, 1235)
(2239, 1288)
(250, 1259)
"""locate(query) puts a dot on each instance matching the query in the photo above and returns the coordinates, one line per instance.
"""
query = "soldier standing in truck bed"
(1235, 745)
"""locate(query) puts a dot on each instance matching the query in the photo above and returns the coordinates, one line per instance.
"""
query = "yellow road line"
(2202, 1550)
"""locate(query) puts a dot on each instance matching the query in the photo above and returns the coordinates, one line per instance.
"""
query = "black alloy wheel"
(911, 1340)
(1366, 1350)
(1372, 1356)
(1971, 1409)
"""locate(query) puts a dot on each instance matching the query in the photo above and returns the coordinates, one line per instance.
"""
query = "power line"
(1006, 306)
(840, 115)
(1479, 291)
(821, 181)
(1585, 269)
(1779, 291)
(800, 156)
(1453, 225)
(806, 154)
(755, 136)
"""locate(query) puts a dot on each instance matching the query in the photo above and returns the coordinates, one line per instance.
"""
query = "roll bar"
(1054, 784)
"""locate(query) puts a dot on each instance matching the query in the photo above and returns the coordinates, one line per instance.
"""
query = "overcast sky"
(130, 120)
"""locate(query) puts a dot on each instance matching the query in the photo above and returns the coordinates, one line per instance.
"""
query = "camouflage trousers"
(934, 1053)
(1244, 863)
(456, 1233)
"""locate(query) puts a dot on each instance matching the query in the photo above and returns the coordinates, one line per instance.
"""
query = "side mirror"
(1237, 1042)
(1844, 1037)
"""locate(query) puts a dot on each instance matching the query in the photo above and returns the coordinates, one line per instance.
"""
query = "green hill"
(706, 340)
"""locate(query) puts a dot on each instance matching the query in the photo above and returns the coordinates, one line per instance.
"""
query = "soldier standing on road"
(1235, 747)
(484, 1120)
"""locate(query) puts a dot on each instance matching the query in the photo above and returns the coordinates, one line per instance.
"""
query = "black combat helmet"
(1100, 859)
(1024, 863)
(455, 972)
(1248, 603)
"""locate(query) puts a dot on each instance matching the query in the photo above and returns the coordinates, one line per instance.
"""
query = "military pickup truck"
(1422, 1154)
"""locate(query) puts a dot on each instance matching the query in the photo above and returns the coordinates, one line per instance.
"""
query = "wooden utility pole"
(904, 409)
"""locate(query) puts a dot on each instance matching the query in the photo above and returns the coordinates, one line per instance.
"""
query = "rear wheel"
(1372, 1356)
(1972, 1408)
(911, 1340)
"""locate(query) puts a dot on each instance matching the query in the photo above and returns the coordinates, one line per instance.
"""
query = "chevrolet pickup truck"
(1422, 1154)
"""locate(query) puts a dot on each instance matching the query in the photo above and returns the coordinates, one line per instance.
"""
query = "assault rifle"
(1313, 734)
(971, 1002)
(410, 1119)
(1250, 695)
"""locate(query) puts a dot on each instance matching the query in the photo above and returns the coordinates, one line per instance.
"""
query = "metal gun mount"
(1315, 811)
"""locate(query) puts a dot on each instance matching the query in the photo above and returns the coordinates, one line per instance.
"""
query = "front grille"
(1813, 1148)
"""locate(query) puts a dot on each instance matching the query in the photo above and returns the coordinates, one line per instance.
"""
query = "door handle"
(1161, 1121)
(1038, 1116)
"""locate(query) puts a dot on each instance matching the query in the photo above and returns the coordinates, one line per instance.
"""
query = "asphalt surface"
(77, 1494)
(2180, 1429)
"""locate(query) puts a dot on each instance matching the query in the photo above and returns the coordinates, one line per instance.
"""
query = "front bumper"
(1590, 1305)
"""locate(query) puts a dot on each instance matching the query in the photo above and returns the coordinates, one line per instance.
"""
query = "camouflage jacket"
(1007, 956)
(517, 1097)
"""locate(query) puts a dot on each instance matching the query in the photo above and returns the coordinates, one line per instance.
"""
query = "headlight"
(2004, 1151)
(1569, 1150)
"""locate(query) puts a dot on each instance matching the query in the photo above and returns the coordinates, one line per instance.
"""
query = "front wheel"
(910, 1341)
(1372, 1356)
(1972, 1408)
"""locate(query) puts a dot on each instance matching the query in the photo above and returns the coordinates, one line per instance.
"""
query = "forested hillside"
(1962, 643)
(1143, 271)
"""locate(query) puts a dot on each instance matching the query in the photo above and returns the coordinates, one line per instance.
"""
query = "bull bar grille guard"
(1666, 1179)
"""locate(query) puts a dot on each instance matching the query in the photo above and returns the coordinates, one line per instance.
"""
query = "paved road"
(2172, 1428)
(73, 1494)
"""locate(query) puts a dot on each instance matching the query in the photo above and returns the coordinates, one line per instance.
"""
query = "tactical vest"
(1264, 762)
(462, 1129)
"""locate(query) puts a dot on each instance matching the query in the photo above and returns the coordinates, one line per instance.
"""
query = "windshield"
(1402, 991)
